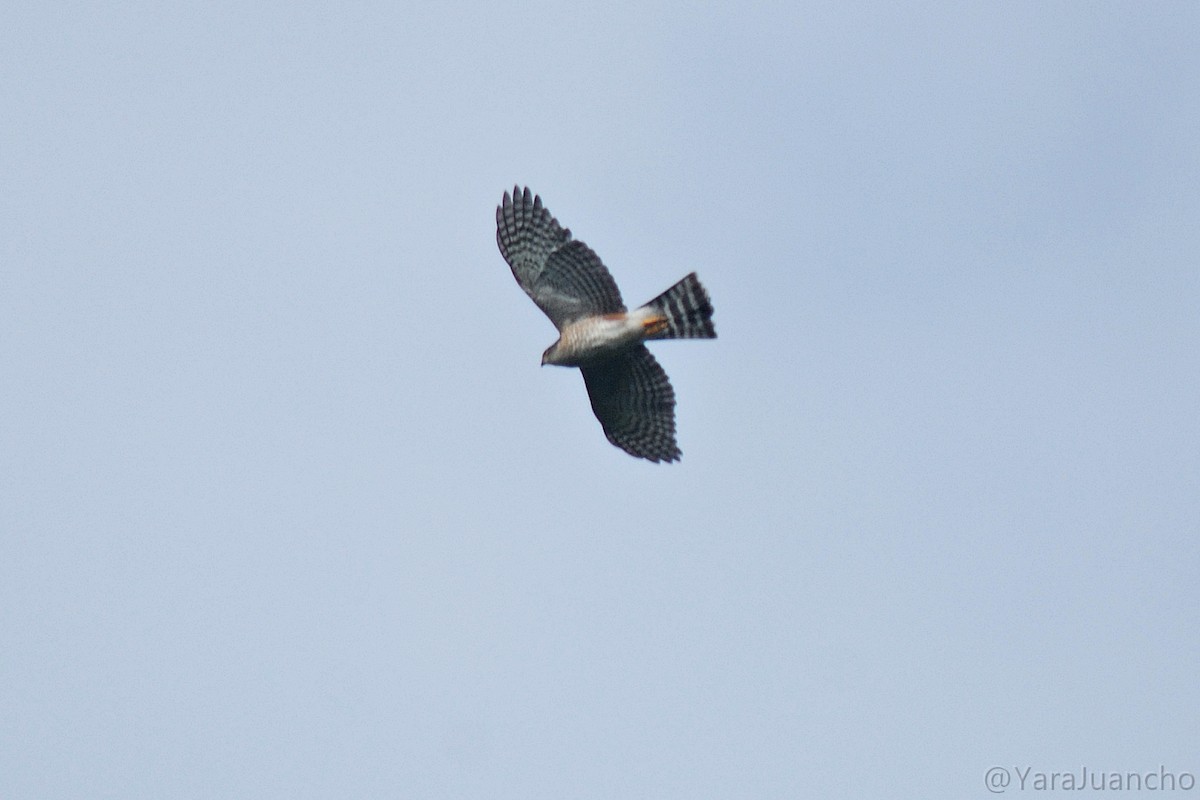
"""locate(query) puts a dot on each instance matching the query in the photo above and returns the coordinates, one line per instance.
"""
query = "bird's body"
(629, 391)
(595, 338)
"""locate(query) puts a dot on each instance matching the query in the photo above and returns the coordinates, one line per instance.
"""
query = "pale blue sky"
(289, 509)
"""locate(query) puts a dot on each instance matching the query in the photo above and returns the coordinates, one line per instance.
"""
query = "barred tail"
(687, 309)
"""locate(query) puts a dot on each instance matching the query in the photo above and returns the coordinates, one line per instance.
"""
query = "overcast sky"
(288, 508)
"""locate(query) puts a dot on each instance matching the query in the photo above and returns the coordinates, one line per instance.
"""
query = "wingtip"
(522, 196)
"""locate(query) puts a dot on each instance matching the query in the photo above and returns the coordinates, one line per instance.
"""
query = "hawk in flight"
(630, 393)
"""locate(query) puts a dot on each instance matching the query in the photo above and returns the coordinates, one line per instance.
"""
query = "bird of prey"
(630, 393)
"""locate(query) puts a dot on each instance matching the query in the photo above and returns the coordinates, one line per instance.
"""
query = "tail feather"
(687, 309)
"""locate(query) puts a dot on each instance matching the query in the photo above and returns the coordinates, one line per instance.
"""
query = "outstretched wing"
(563, 276)
(635, 404)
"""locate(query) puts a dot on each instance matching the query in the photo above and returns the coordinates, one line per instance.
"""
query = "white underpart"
(597, 337)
